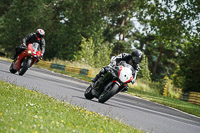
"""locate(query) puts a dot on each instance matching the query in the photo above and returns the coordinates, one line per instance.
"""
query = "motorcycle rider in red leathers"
(38, 37)
(133, 59)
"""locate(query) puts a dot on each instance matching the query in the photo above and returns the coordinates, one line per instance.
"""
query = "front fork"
(121, 85)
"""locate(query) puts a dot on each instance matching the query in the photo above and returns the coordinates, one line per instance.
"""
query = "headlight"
(29, 52)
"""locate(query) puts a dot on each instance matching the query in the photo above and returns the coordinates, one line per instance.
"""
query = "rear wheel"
(24, 66)
(88, 93)
(11, 68)
(108, 93)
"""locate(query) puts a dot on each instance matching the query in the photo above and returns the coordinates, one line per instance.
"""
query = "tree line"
(91, 31)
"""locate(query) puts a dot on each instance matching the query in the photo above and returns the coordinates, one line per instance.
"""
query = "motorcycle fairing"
(125, 74)
(35, 50)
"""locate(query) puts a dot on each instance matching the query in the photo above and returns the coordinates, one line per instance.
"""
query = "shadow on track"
(6, 71)
(106, 104)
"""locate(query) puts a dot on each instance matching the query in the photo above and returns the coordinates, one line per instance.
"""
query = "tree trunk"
(121, 34)
(157, 62)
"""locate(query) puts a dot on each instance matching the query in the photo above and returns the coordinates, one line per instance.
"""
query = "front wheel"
(11, 68)
(108, 93)
(88, 93)
(24, 66)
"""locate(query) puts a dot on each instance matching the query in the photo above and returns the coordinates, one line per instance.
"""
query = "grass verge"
(171, 102)
(23, 110)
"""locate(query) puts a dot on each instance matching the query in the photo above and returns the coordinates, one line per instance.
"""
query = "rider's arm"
(137, 67)
(26, 39)
(134, 77)
(121, 57)
(43, 46)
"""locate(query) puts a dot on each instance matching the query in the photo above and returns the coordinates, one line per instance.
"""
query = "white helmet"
(40, 33)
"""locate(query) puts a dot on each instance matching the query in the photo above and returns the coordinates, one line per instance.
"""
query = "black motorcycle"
(111, 82)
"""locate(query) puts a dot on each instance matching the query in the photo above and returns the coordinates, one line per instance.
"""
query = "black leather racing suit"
(31, 38)
(115, 60)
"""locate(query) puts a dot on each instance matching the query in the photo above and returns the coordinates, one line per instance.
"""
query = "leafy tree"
(144, 69)
(86, 54)
(80, 18)
(119, 25)
(188, 74)
(103, 55)
(167, 21)
(21, 18)
(95, 56)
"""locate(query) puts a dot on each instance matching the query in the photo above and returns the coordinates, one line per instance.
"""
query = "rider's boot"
(95, 78)
(98, 75)
(14, 57)
(17, 52)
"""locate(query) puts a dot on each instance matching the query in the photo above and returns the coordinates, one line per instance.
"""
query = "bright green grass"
(175, 103)
(27, 111)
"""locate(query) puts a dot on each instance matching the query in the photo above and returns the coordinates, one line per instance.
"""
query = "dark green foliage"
(22, 18)
(189, 70)
(167, 22)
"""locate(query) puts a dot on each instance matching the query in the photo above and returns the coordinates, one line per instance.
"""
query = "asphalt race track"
(133, 111)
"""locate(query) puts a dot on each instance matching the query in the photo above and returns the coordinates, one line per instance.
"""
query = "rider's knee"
(103, 70)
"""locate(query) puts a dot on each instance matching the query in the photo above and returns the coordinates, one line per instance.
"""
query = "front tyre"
(24, 66)
(11, 68)
(108, 93)
(88, 93)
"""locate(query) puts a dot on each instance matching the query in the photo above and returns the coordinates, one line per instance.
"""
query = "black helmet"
(40, 33)
(137, 56)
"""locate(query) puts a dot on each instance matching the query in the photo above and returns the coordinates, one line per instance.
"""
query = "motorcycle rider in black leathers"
(38, 37)
(133, 59)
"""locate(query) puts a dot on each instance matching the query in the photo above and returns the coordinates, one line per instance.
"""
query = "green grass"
(27, 111)
(147, 86)
(171, 102)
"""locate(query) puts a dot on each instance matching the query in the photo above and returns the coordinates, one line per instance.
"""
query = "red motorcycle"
(26, 58)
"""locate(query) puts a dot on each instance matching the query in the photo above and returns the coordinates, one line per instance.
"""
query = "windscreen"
(123, 63)
(36, 46)
(128, 66)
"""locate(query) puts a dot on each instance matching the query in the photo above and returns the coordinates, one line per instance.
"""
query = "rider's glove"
(23, 44)
(113, 63)
(133, 81)
(40, 58)
(137, 67)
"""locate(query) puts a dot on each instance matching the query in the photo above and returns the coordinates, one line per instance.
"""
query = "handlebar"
(23, 47)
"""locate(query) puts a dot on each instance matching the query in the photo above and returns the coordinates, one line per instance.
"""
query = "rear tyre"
(24, 66)
(11, 68)
(88, 93)
(108, 93)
